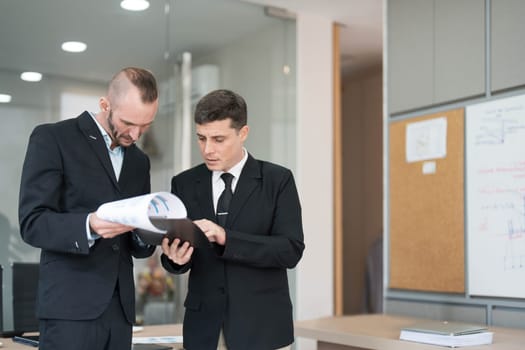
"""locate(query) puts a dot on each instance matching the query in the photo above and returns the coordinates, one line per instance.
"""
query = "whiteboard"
(495, 178)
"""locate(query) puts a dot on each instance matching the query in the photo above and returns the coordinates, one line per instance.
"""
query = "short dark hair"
(219, 105)
(141, 78)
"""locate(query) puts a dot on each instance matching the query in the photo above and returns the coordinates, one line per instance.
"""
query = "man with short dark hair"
(238, 295)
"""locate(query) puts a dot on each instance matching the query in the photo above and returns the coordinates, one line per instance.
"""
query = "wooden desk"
(148, 331)
(382, 332)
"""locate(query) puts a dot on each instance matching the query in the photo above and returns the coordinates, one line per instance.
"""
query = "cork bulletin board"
(426, 232)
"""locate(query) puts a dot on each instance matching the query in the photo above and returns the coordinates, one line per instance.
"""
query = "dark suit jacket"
(242, 287)
(67, 173)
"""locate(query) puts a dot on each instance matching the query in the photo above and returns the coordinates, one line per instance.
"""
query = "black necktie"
(224, 200)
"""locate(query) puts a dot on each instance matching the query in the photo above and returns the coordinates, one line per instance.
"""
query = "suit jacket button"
(115, 247)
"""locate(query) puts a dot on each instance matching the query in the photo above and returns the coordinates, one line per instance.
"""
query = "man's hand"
(106, 229)
(213, 232)
(178, 254)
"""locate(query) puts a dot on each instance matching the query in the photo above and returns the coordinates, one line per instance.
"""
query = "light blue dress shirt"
(117, 158)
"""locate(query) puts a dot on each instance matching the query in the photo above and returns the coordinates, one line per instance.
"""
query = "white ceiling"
(361, 31)
(32, 32)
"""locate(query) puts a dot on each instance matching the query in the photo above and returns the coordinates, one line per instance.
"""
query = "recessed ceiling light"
(134, 5)
(74, 46)
(31, 76)
(5, 98)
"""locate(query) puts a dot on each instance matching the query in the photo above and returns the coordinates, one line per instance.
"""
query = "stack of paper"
(451, 334)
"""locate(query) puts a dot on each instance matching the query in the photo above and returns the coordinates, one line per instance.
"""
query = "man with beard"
(86, 297)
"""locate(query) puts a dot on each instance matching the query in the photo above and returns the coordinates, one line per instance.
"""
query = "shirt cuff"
(91, 236)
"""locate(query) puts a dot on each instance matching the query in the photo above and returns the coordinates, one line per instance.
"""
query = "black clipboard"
(183, 229)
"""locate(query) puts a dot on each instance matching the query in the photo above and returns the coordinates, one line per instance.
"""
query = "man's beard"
(113, 131)
(112, 128)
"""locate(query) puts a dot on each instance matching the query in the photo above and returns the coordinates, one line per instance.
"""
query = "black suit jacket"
(242, 287)
(67, 174)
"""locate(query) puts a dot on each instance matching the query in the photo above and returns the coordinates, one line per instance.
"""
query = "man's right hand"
(179, 253)
(107, 229)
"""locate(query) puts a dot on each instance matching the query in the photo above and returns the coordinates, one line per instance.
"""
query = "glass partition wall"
(191, 46)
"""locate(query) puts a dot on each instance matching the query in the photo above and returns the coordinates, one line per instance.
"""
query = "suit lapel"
(205, 193)
(249, 180)
(98, 145)
(127, 167)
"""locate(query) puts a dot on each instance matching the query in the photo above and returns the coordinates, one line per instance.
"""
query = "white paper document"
(177, 339)
(426, 140)
(137, 211)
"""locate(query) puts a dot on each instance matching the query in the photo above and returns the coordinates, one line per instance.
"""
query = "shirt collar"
(105, 135)
(235, 170)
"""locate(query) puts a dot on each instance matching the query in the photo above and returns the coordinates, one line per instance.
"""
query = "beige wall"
(315, 281)
(362, 179)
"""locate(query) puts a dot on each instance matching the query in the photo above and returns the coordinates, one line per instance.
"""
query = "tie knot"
(227, 178)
